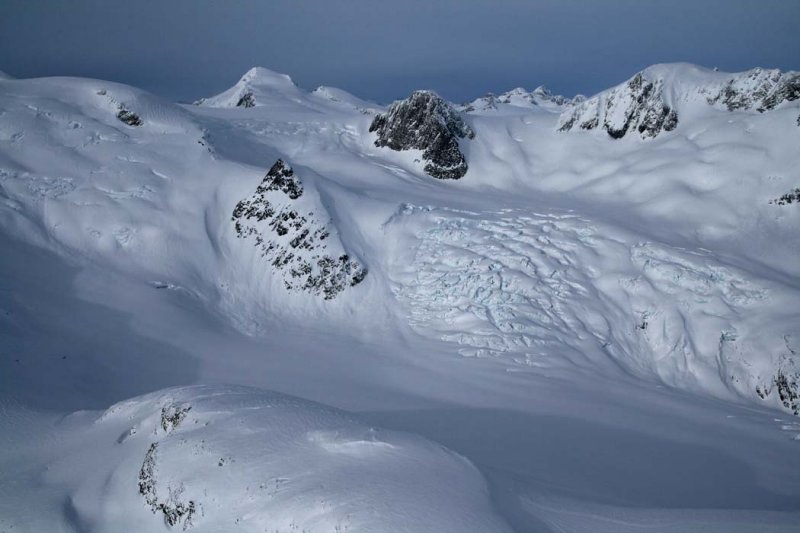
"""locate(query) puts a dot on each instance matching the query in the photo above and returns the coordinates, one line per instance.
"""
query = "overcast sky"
(381, 50)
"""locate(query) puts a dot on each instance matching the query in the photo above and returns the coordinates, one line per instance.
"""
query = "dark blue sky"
(381, 50)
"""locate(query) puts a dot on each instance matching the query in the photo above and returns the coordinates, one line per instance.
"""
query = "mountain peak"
(425, 121)
(256, 86)
(263, 76)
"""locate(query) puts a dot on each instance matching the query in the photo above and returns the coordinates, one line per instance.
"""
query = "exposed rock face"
(636, 106)
(788, 389)
(300, 247)
(787, 386)
(128, 117)
(758, 89)
(173, 508)
(246, 100)
(424, 121)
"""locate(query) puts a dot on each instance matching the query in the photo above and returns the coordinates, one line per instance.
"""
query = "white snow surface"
(593, 326)
(233, 458)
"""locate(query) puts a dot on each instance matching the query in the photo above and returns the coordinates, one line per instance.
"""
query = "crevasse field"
(595, 329)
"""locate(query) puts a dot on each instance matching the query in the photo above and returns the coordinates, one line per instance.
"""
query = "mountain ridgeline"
(651, 102)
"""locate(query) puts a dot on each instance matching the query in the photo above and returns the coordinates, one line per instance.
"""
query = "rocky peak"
(281, 178)
(296, 235)
(543, 94)
(424, 121)
(638, 105)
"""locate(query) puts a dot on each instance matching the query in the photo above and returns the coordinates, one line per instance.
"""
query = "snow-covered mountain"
(259, 86)
(596, 309)
(540, 98)
(652, 101)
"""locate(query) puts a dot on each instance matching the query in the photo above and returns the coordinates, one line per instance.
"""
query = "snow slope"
(575, 306)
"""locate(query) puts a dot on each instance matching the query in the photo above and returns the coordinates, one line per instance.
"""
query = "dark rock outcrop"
(426, 122)
(173, 509)
(298, 246)
(788, 198)
(246, 100)
(128, 117)
(788, 389)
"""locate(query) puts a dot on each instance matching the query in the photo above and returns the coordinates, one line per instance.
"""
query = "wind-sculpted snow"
(558, 291)
(295, 242)
(424, 121)
(240, 459)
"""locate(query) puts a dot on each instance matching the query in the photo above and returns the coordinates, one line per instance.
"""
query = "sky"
(381, 50)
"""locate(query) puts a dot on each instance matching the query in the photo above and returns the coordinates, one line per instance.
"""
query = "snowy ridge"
(652, 101)
(539, 98)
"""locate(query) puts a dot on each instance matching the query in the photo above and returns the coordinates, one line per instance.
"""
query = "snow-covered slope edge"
(216, 458)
